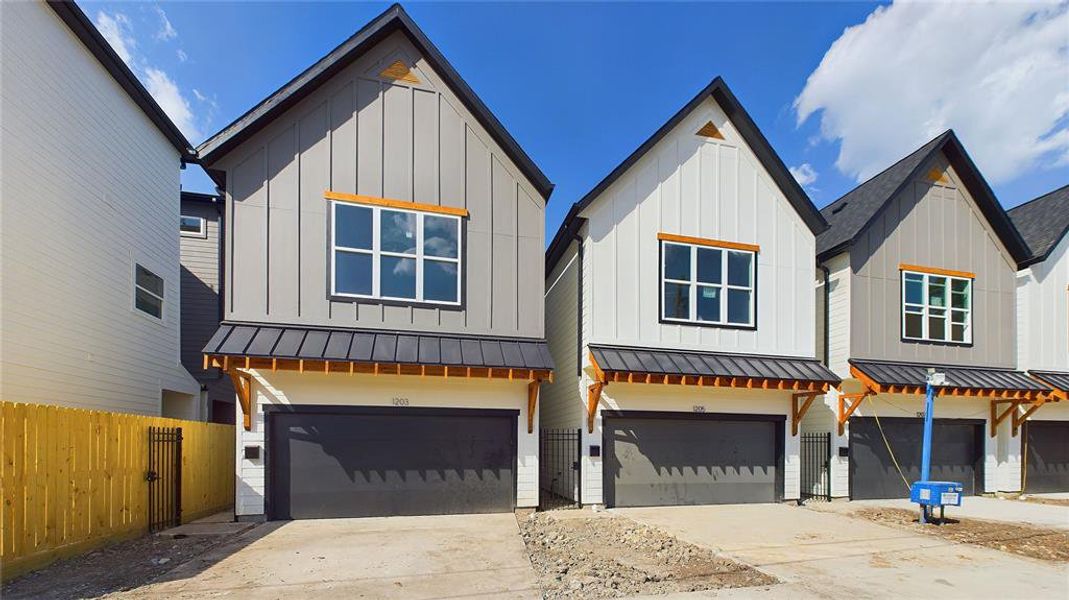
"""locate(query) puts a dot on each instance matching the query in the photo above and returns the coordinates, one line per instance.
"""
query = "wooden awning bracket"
(798, 411)
(1020, 418)
(593, 397)
(845, 411)
(532, 403)
(997, 418)
(243, 388)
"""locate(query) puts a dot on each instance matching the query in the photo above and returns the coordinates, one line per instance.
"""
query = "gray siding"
(365, 135)
(561, 401)
(200, 299)
(937, 226)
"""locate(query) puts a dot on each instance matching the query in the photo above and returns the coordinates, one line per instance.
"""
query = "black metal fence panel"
(816, 466)
(559, 463)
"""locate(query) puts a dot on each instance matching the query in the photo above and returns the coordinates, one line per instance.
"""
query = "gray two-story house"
(917, 272)
(383, 315)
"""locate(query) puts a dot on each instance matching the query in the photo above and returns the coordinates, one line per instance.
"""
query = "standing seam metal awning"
(890, 376)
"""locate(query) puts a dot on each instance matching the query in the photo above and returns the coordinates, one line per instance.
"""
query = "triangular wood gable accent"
(399, 71)
(710, 131)
(937, 175)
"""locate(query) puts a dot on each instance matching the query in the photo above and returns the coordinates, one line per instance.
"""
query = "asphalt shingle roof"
(1043, 222)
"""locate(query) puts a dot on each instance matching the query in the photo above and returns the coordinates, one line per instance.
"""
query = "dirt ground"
(1033, 542)
(1050, 501)
(119, 567)
(583, 555)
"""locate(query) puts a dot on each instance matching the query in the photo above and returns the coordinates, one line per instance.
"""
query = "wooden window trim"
(697, 241)
(392, 203)
(936, 271)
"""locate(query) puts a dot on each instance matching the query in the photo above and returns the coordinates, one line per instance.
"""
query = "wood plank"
(698, 241)
(393, 203)
(936, 271)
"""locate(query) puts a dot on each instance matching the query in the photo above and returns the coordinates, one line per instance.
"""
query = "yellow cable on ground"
(888, 444)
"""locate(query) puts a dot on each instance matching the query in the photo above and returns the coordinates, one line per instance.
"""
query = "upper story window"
(148, 292)
(708, 282)
(192, 226)
(936, 305)
(390, 253)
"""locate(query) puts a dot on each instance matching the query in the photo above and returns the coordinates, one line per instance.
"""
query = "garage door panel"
(1047, 468)
(665, 461)
(346, 465)
(956, 455)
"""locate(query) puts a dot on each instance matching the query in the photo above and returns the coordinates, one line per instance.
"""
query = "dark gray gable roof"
(377, 346)
(710, 364)
(1056, 379)
(199, 197)
(738, 116)
(393, 19)
(977, 378)
(851, 214)
(83, 29)
(1042, 222)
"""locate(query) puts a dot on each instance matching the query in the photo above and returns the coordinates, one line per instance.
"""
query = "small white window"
(148, 292)
(394, 254)
(192, 226)
(708, 285)
(936, 308)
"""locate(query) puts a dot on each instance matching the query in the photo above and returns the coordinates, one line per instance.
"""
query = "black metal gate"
(164, 477)
(816, 466)
(559, 463)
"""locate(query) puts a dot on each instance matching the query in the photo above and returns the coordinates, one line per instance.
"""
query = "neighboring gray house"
(88, 211)
(1043, 338)
(918, 271)
(201, 228)
(680, 308)
(380, 321)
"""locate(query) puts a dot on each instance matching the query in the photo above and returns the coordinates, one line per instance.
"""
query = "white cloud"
(804, 174)
(181, 54)
(166, 30)
(994, 72)
(116, 30)
(171, 100)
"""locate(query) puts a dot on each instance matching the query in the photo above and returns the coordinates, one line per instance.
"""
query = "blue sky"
(581, 85)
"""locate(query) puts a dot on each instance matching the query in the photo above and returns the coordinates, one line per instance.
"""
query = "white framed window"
(148, 292)
(936, 307)
(708, 285)
(395, 254)
(192, 226)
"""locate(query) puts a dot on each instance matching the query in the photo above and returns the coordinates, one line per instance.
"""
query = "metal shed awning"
(807, 378)
(236, 347)
(1000, 386)
(1057, 380)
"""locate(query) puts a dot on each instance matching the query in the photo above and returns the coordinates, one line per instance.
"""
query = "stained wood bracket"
(532, 403)
(845, 411)
(593, 396)
(1020, 418)
(798, 411)
(997, 418)
(243, 387)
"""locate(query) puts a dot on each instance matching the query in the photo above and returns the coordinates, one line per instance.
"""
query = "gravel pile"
(600, 556)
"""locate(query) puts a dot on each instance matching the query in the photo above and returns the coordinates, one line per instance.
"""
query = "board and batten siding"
(933, 225)
(697, 186)
(1043, 312)
(560, 403)
(362, 134)
(90, 187)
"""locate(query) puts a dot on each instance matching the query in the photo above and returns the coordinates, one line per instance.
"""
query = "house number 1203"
(698, 408)
(400, 401)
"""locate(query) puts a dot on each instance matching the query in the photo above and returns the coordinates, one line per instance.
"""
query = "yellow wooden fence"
(74, 479)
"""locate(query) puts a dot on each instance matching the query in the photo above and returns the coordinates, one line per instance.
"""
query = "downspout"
(827, 314)
(579, 309)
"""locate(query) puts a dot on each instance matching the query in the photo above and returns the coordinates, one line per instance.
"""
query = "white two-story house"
(680, 318)
(1043, 342)
(89, 186)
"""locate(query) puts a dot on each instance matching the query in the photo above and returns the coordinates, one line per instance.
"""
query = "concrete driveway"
(398, 557)
(979, 507)
(831, 555)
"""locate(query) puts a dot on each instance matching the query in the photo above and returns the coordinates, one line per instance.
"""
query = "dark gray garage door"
(957, 455)
(660, 459)
(1048, 456)
(360, 462)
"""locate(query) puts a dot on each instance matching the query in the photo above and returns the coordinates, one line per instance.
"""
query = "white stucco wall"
(287, 387)
(683, 399)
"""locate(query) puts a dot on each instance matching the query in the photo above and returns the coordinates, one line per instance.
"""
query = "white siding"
(691, 185)
(839, 314)
(1043, 312)
(284, 387)
(559, 407)
(89, 186)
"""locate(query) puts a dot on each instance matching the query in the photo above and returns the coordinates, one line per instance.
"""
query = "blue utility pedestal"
(932, 493)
